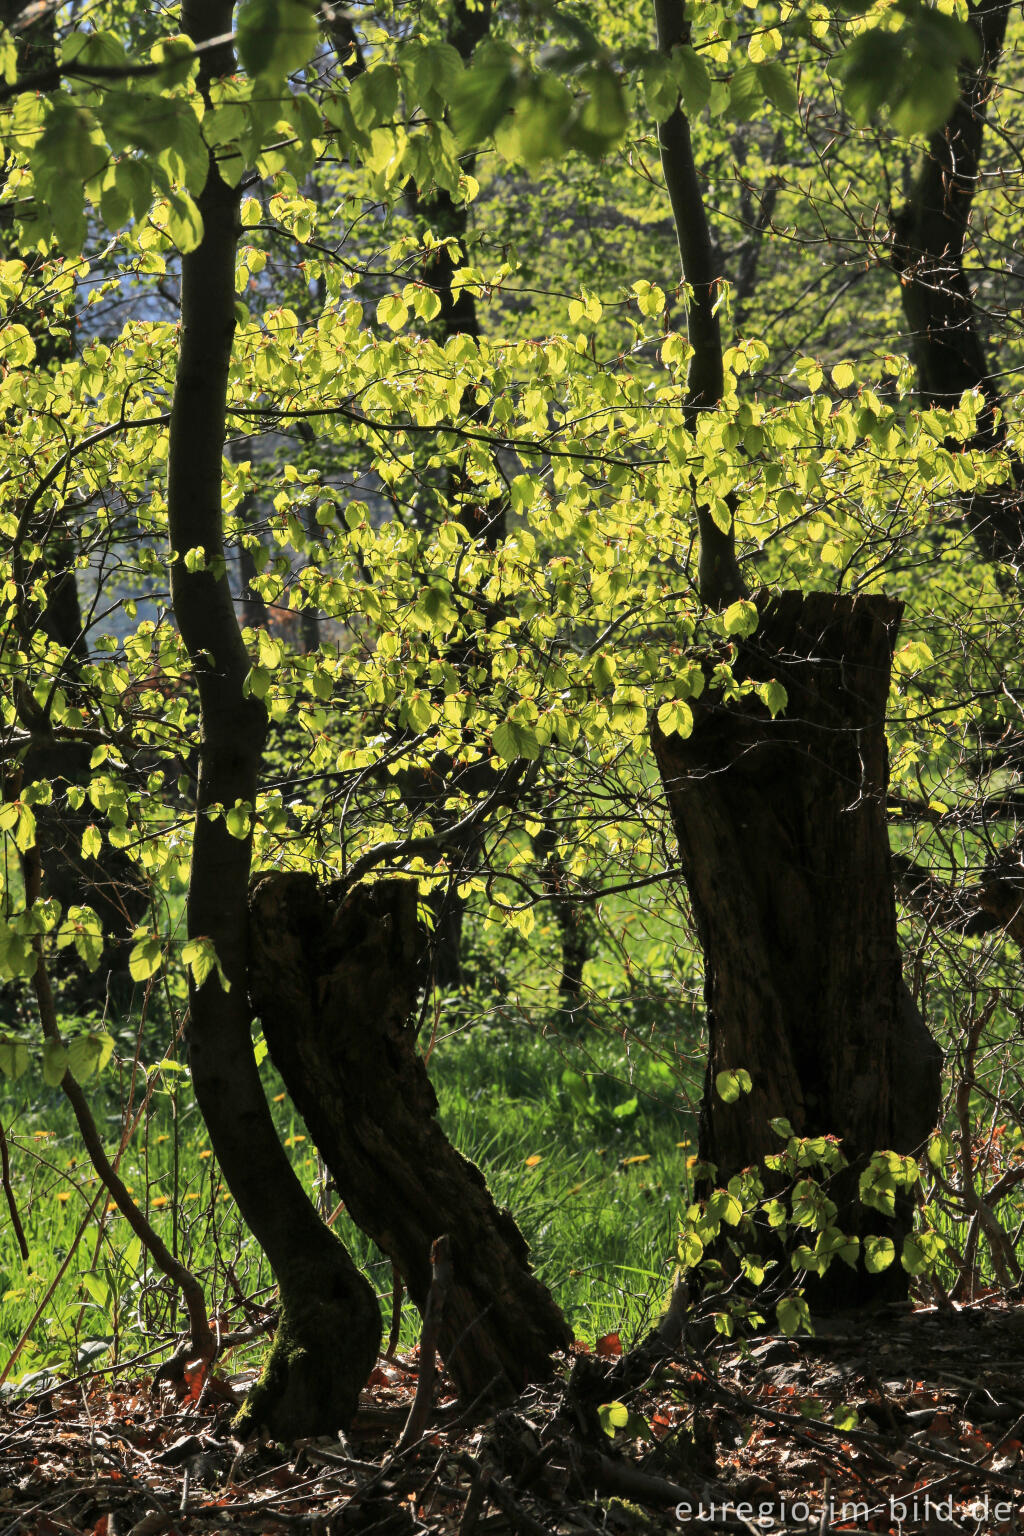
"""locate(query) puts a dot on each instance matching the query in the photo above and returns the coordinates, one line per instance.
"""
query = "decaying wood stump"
(782, 836)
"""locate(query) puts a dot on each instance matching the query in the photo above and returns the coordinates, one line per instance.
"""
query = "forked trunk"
(335, 977)
(782, 835)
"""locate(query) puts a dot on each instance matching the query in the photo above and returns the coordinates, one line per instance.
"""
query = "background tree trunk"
(335, 978)
(782, 834)
(930, 236)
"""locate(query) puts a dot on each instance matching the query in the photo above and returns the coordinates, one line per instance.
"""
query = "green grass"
(584, 1137)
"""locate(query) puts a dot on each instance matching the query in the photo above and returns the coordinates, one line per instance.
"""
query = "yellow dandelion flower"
(205, 1153)
(293, 1141)
(279, 1098)
(63, 1195)
(531, 1162)
(192, 1195)
(160, 1202)
(163, 1137)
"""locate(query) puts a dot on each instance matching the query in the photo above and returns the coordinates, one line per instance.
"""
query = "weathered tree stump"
(335, 977)
(782, 837)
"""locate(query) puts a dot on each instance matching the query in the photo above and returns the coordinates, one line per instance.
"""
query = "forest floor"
(904, 1420)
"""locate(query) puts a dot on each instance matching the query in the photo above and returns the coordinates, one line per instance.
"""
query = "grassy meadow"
(585, 1133)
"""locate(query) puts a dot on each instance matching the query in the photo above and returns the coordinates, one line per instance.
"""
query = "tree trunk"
(782, 835)
(930, 236)
(330, 1326)
(335, 977)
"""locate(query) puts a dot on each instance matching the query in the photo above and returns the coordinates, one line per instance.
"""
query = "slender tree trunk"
(335, 978)
(782, 834)
(930, 235)
(719, 574)
(449, 220)
(330, 1327)
(930, 238)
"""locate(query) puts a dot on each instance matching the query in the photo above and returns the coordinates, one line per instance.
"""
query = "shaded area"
(335, 977)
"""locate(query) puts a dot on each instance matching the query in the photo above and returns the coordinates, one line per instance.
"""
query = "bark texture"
(335, 978)
(782, 834)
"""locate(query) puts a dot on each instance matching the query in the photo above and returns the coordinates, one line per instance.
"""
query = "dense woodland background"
(511, 527)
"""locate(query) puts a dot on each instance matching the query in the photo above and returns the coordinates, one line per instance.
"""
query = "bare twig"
(5, 1168)
(440, 1258)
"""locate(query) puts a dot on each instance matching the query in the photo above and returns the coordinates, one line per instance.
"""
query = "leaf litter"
(900, 1421)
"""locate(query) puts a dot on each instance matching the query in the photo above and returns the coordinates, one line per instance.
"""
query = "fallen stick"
(441, 1279)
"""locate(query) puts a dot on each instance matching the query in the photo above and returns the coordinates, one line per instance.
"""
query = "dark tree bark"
(721, 581)
(335, 979)
(782, 837)
(782, 834)
(330, 1326)
(930, 236)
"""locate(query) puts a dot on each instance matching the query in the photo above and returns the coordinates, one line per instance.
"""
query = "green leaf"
(845, 1417)
(793, 1315)
(730, 1084)
(774, 696)
(257, 683)
(82, 928)
(912, 71)
(201, 958)
(55, 1063)
(484, 93)
(603, 673)
(778, 86)
(184, 222)
(392, 311)
(238, 819)
(675, 718)
(879, 1253)
(513, 740)
(178, 59)
(724, 1206)
(689, 1249)
(603, 118)
(746, 92)
(740, 619)
(692, 78)
(146, 957)
(270, 650)
(275, 37)
(13, 1057)
(92, 842)
(613, 1417)
(88, 1054)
